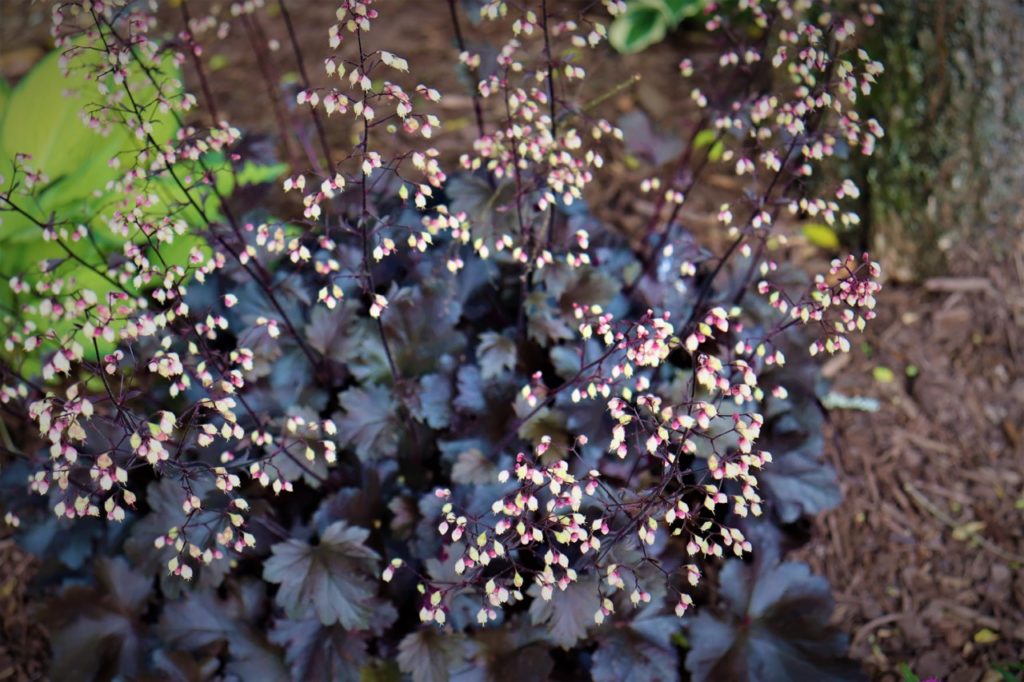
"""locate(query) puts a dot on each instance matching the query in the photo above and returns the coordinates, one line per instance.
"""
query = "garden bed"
(925, 553)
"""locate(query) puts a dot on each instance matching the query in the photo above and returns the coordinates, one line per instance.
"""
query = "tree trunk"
(951, 166)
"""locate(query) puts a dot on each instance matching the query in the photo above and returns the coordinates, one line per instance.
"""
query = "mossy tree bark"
(951, 166)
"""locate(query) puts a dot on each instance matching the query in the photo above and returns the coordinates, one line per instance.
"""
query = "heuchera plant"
(424, 413)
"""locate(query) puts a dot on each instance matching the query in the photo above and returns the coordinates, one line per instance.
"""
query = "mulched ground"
(24, 650)
(925, 553)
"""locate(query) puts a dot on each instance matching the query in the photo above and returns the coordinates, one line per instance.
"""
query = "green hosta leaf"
(646, 22)
(776, 627)
(252, 173)
(369, 422)
(640, 27)
(684, 9)
(570, 612)
(430, 655)
(42, 119)
(334, 580)
(496, 354)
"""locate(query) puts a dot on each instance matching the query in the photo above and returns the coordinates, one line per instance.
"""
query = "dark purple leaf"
(334, 580)
(775, 628)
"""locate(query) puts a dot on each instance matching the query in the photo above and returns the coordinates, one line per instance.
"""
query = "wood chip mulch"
(926, 552)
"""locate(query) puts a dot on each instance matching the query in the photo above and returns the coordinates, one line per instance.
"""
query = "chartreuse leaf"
(907, 673)
(709, 137)
(821, 235)
(334, 580)
(775, 627)
(258, 174)
(883, 375)
(40, 117)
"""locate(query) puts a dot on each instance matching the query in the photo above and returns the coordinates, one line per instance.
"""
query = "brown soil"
(24, 651)
(925, 554)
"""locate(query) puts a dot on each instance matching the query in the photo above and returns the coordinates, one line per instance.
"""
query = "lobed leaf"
(335, 580)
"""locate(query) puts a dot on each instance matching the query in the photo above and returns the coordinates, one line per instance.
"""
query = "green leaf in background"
(646, 22)
(256, 174)
(5, 92)
(684, 9)
(822, 236)
(907, 674)
(710, 137)
(41, 117)
(637, 29)
(883, 375)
